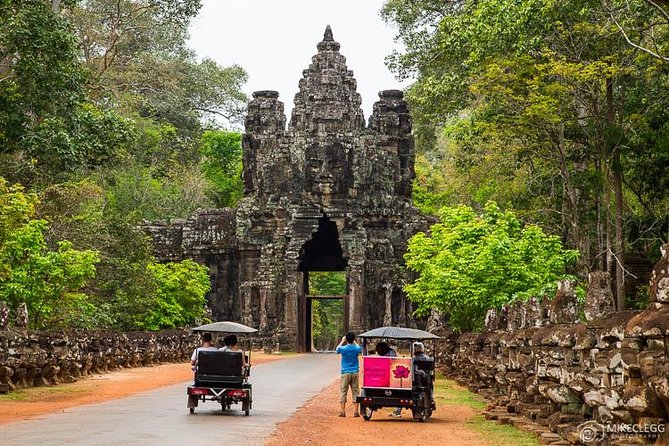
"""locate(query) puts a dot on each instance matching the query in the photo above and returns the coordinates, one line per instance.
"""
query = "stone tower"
(325, 193)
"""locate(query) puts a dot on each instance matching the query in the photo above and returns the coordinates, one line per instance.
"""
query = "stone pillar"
(294, 289)
(564, 306)
(659, 279)
(264, 291)
(245, 293)
(388, 294)
(531, 313)
(264, 124)
(402, 320)
(22, 316)
(391, 121)
(434, 322)
(491, 320)
(599, 300)
(356, 291)
(4, 315)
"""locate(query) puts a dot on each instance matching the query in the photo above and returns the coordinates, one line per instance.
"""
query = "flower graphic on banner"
(401, 372)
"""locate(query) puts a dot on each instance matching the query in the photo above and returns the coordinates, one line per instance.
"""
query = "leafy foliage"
(469, 263)
(103, 108)
(545, 107)
(48, 281)
(222, 152)
(327, 321)
(179, 300)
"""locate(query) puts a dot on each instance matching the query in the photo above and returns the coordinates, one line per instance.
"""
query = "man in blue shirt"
(349, 351)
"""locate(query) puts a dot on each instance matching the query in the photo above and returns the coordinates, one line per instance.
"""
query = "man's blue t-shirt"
(349, 357)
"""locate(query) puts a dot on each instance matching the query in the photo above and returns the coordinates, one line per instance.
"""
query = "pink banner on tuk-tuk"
(384, 371)
(400, 373)
(376, 371)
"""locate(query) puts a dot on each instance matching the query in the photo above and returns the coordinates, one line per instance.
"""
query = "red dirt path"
(317, 423)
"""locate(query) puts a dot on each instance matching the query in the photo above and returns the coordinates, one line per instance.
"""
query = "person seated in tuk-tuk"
(230, 345)
(226, 344)
(419, 355)
(419, 352)
(383, 349)
(206, 346)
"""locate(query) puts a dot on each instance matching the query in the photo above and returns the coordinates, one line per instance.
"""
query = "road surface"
(160, 417)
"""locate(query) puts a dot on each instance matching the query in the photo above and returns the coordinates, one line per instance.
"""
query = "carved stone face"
(663, 290)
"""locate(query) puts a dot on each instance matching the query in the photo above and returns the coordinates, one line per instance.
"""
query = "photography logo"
(590, 431)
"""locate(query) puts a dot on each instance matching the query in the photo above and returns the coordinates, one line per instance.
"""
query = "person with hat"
(419, 351)
(419, 355)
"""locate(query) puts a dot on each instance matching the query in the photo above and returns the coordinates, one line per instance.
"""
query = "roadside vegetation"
(556, 110)
(107, 119)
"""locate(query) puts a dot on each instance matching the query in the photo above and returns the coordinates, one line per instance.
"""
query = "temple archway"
(321, 253)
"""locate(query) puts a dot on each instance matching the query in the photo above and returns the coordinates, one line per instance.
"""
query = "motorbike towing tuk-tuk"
(223, 376)
(395, 381)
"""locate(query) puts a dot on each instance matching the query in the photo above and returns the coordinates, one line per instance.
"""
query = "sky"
(274, 40)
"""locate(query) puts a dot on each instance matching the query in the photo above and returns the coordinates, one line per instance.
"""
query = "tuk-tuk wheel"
(246, 412)
(191, 409)
(420, 415)
(367, 412)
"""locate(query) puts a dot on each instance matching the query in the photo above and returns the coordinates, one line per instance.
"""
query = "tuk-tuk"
(223, 376)
(395, 381)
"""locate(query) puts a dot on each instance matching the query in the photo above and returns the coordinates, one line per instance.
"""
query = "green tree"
(470, 263)
(222, 165)
(105, 215)
(48, 128)
(40, 76)
(48, 281)
(137, 54)
(538, 104)
(180, 298)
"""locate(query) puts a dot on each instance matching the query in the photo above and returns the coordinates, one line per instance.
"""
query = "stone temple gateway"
(326, 193)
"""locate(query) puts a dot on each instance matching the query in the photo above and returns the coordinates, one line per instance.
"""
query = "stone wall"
(534, 362)
(30, 359)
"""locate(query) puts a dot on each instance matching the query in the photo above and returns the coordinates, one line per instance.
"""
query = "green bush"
(469, 263)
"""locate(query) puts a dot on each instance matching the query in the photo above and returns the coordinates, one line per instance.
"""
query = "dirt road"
(160, 417)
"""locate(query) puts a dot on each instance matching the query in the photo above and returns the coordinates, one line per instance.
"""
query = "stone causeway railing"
(31, 359)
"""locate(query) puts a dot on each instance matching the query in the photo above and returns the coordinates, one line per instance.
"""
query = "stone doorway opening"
(325, 309)
(323, 305)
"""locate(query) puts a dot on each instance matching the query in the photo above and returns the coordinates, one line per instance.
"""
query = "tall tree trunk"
(617, 176)
(599, 260)
(606, 211)
(55, 5)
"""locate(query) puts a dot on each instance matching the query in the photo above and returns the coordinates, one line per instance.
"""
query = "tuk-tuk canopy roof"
(225, 327)
(398, 333)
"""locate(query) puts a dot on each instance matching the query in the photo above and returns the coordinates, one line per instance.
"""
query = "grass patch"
(39, 393)
(503, 434)
(449, 393)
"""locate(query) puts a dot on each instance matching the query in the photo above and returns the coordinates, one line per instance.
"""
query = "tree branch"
(639, 47)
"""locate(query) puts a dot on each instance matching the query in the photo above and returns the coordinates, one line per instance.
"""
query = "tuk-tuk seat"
(215, 368)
